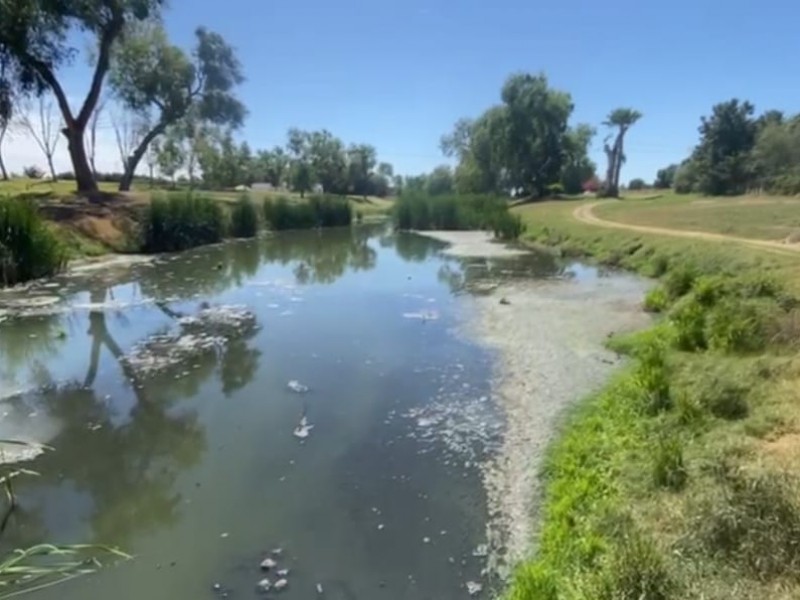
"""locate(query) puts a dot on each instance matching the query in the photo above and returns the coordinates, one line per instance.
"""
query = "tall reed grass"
(318, 211)
(422, 212)
(244, 218)
(28, 248)
(180, 221)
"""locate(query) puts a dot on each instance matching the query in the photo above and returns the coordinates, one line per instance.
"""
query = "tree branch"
(110, 33)
(47, 75)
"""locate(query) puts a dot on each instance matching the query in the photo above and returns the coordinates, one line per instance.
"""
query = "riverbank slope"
(677, 480)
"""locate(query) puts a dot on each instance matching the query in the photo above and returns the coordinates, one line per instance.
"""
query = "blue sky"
(398, 74)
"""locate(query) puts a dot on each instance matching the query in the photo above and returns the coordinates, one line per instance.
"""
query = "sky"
(397, 74)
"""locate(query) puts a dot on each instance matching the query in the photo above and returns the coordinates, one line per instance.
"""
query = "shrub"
(244, 218)
(656, 300)
(28, 249)
(668, 468)
(635, 570)
(657, 265)
(652, 377)
(738, 326)
(688, 318)
(753, 523)
(708, 289)
(181, 221)
(637, 184)
(508, 227)
(678, 281)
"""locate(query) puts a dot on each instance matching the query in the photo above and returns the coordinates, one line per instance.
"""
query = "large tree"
(42, 125)
(155, 78)
(621, 120)
(722, 159)
(6, 114)
(578, 167)
(362, 159)
(39, 37)
(328, 160)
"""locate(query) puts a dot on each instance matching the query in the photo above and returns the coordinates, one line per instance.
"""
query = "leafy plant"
(181, 221)
(28, 249)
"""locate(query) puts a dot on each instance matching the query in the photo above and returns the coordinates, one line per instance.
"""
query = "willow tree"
(164, 84)
(621, 119)
(40, 37)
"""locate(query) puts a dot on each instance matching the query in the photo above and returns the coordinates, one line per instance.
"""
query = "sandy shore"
(549, 337)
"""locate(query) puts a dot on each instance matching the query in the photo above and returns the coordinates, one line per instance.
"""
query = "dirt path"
(585, 214)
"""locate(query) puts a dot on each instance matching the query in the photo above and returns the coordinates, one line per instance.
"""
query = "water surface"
(189, 461)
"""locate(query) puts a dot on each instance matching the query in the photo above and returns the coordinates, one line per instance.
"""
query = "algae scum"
(304, 398)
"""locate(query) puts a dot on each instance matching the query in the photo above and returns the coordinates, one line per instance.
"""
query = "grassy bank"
(677, 480)
(448, 213)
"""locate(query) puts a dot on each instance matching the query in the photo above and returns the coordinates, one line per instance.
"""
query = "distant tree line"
(740, 152)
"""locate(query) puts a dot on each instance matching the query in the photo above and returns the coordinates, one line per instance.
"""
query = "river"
(312, 392)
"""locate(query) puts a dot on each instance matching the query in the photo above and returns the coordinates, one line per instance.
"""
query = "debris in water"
(380, 527)
(281, 584)
(426, 540)
(297, 387)
(481, 551)
(224, 535)
(319, 588)
(423, 315)
(303, 430)
(216, 587)
(283, 572)
(474, 588)
(505, 301)
(278, 551)
(268, 564)
(264, 585)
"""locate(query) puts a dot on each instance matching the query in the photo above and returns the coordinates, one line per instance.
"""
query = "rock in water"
(281, 584)
(268, 564)
(474, 588)
(264, 586)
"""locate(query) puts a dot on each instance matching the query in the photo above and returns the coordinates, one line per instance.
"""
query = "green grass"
(28, 248)
(678, 480)
(318, 211)
(244, 218)
(757, 217)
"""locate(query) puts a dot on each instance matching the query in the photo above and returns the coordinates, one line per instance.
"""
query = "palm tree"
(622, 119)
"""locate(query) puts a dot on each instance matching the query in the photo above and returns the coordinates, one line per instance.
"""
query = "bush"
(688, 318)
(634, 571)
(181, 221)
(637, 184)
(656, 300)
(753, 524)
(244, 218)
(28, 249)
(739, 326)
(668, 468)
(319, 211)
(679, 280)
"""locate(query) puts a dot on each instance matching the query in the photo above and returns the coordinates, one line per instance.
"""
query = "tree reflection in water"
(126, 468)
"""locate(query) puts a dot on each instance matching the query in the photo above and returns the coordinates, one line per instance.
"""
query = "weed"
(679, 280)
(244, 218)
(652, 377)
(724, 398)
(688, 411)
(318, 211)
(28, 249)
(688, 317)
(668, 468)
(752, 523)
(739, 325)
(656, 300)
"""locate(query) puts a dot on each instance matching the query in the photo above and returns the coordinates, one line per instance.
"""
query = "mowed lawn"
(758, 217)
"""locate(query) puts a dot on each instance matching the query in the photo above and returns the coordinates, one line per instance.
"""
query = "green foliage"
(319, 211)
(752, 523)
(180, 221)
(651, 377)
(28, 249)
(665, 177)
(688, 318)
(739, 325)
(440, 181)
(244, 218)
(656, 300)
(620, 119)
(724, 397)
(669, 470)
(688, 411)
(578, 167)
(413, 211)
(637, 184)
(679, 280)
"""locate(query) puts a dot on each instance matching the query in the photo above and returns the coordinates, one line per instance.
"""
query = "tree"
(621, 119)
(271, 166)
(302, 178)
(6, 114)
(637, 184)
(776, 156)
(301, 175)
(328, 161)
(578, 167)
(151, 76)
(93, 123)
(36, 40)
(665, 177)
(151, 160)
(440, 181)
(43, 127)
(361, 161)
(170, 156)
(129, 129)
(722, 158)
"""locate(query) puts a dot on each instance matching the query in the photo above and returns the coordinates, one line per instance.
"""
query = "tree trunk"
(51, 167)
(84, 177)
(136, 157)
